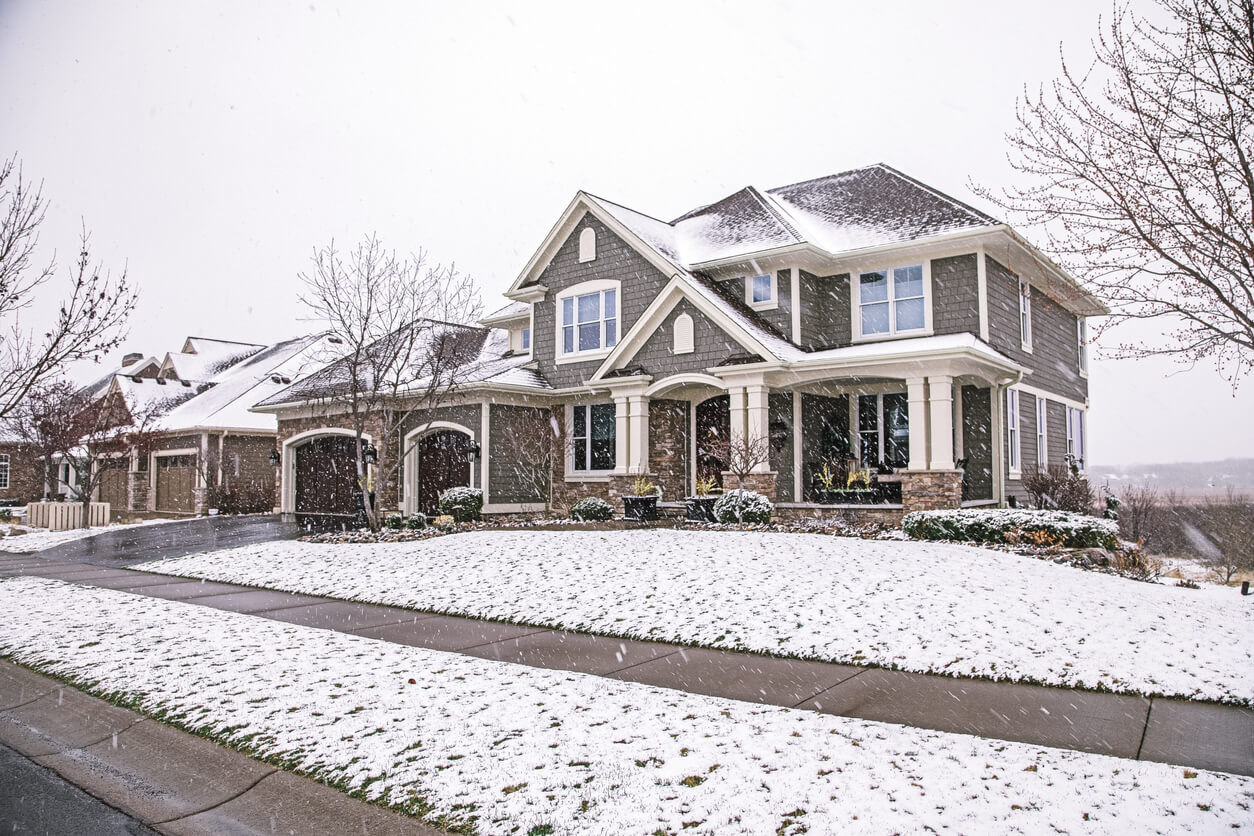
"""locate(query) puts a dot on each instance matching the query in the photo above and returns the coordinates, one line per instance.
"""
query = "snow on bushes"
(591, 509)
(1012, 525)
(462, 504)
(743, 506)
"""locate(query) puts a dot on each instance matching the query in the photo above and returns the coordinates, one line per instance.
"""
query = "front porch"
(873, 443)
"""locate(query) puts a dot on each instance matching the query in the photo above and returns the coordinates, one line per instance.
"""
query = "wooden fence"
(62, 516)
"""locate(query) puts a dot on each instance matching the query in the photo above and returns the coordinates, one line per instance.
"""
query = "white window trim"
(769, 304)
(1014, 443)
(1082, 345)
(581, 289)
(855, 300)
(582, 475)
(1025, 315)
(1077, 448)
(5, 464)
(1042, 436)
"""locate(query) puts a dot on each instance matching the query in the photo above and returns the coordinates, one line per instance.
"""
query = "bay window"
(593, 437)
(588, 320)
(891, 301)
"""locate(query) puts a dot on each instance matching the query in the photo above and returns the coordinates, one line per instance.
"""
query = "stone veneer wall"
(763, 483)
(930, 490)
(668, 447)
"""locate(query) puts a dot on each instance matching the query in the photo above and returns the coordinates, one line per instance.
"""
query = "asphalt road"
(135, 544)
(37, 800)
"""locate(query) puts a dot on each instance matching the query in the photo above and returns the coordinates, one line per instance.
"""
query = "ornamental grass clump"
(591, 509)
(1003, 525)
(462, 504)
(743, 506)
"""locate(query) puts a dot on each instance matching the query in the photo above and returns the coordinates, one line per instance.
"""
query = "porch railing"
(63, 516)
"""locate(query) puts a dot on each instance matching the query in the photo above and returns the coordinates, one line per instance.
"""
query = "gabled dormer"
(516, 319)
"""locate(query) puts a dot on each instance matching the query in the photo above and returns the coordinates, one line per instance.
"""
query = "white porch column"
(736, 396)
(758, 421)
(638, 429)
(621, 435)
(940, 393)
(916, 416)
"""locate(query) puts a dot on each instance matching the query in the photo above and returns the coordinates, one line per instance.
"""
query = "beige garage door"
(113, 487)
(176, 479)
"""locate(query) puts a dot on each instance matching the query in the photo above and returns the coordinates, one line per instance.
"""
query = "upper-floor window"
(593, 437)
(891, 301)
(4, 471)
(526, 339)
(884, 430)
(1025, 315)
(587, 244)
(1075, 436)
(1012, 429)
(588, 318)
(760, 291)
(1082, 339)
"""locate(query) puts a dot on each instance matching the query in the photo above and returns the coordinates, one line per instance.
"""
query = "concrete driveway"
(135, 544)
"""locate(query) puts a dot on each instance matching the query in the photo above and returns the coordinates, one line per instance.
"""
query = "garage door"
(176, 481)
(326, 477)
(113, 487)
(443, 462)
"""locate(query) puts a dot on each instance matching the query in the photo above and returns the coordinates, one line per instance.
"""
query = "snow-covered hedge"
(462, 504)
(743, 506)
(1013, 525)
(591, 509)
(416, 522)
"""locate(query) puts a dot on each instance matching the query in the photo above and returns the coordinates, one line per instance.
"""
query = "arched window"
(683, 335)
(588, 244)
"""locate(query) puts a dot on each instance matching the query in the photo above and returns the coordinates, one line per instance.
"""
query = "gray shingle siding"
(1056, 431)
(712, 346)
(1054, 359)
(507, 481)
(465, 415)
(780, 411)
(955, 295)
(641, 282)
(824, 311)
(977, 446)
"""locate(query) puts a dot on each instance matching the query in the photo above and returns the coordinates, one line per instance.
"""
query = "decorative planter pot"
(699, 508)
(642, 508)
(853, 496)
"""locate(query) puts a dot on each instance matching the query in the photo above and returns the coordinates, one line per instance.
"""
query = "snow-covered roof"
(512, 311)
(202, 358)
(225, 399)
(493, 363)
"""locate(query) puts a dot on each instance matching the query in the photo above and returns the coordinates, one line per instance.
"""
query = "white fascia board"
(934, 354)
(737, 264)
(531, 293)
(506, 319)
(658, 310)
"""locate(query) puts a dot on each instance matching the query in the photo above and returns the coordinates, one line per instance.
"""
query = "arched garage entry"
(441, 456)
(322, 468)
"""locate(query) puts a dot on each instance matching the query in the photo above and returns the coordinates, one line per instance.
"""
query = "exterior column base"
(931, 490)
(763, 483)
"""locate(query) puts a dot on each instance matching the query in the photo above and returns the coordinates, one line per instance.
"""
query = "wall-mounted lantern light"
(475, 450)
(275, 458)
(370, 455)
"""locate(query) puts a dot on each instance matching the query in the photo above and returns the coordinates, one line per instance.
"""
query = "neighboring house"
(857, 320)
(204, 447)
(21, 473)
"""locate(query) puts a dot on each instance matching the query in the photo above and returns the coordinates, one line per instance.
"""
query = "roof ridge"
(825, 177)
(628, 208)
(933, 190)
(778, 212)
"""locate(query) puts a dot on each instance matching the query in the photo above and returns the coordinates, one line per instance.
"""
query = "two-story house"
(857, 320)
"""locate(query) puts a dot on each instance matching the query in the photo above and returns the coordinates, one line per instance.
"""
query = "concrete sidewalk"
(169, 780)
(1193, 734)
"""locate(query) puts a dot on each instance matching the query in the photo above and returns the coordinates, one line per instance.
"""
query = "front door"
(444, 459)
(713, 421)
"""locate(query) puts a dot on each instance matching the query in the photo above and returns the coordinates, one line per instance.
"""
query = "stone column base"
(763, 483)
(930, 490)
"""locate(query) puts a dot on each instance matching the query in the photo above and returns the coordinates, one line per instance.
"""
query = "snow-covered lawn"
(912, 605)
(515, 748)
(38, 539)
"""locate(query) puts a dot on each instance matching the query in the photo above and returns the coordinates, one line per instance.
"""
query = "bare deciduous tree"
(91, 318)
(1137, 169)
(529, 446)
(743, 456)
(1227, 522)
(404, 345)
(1141, 503)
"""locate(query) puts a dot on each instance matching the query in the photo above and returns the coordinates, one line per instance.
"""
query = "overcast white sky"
(212, 146)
